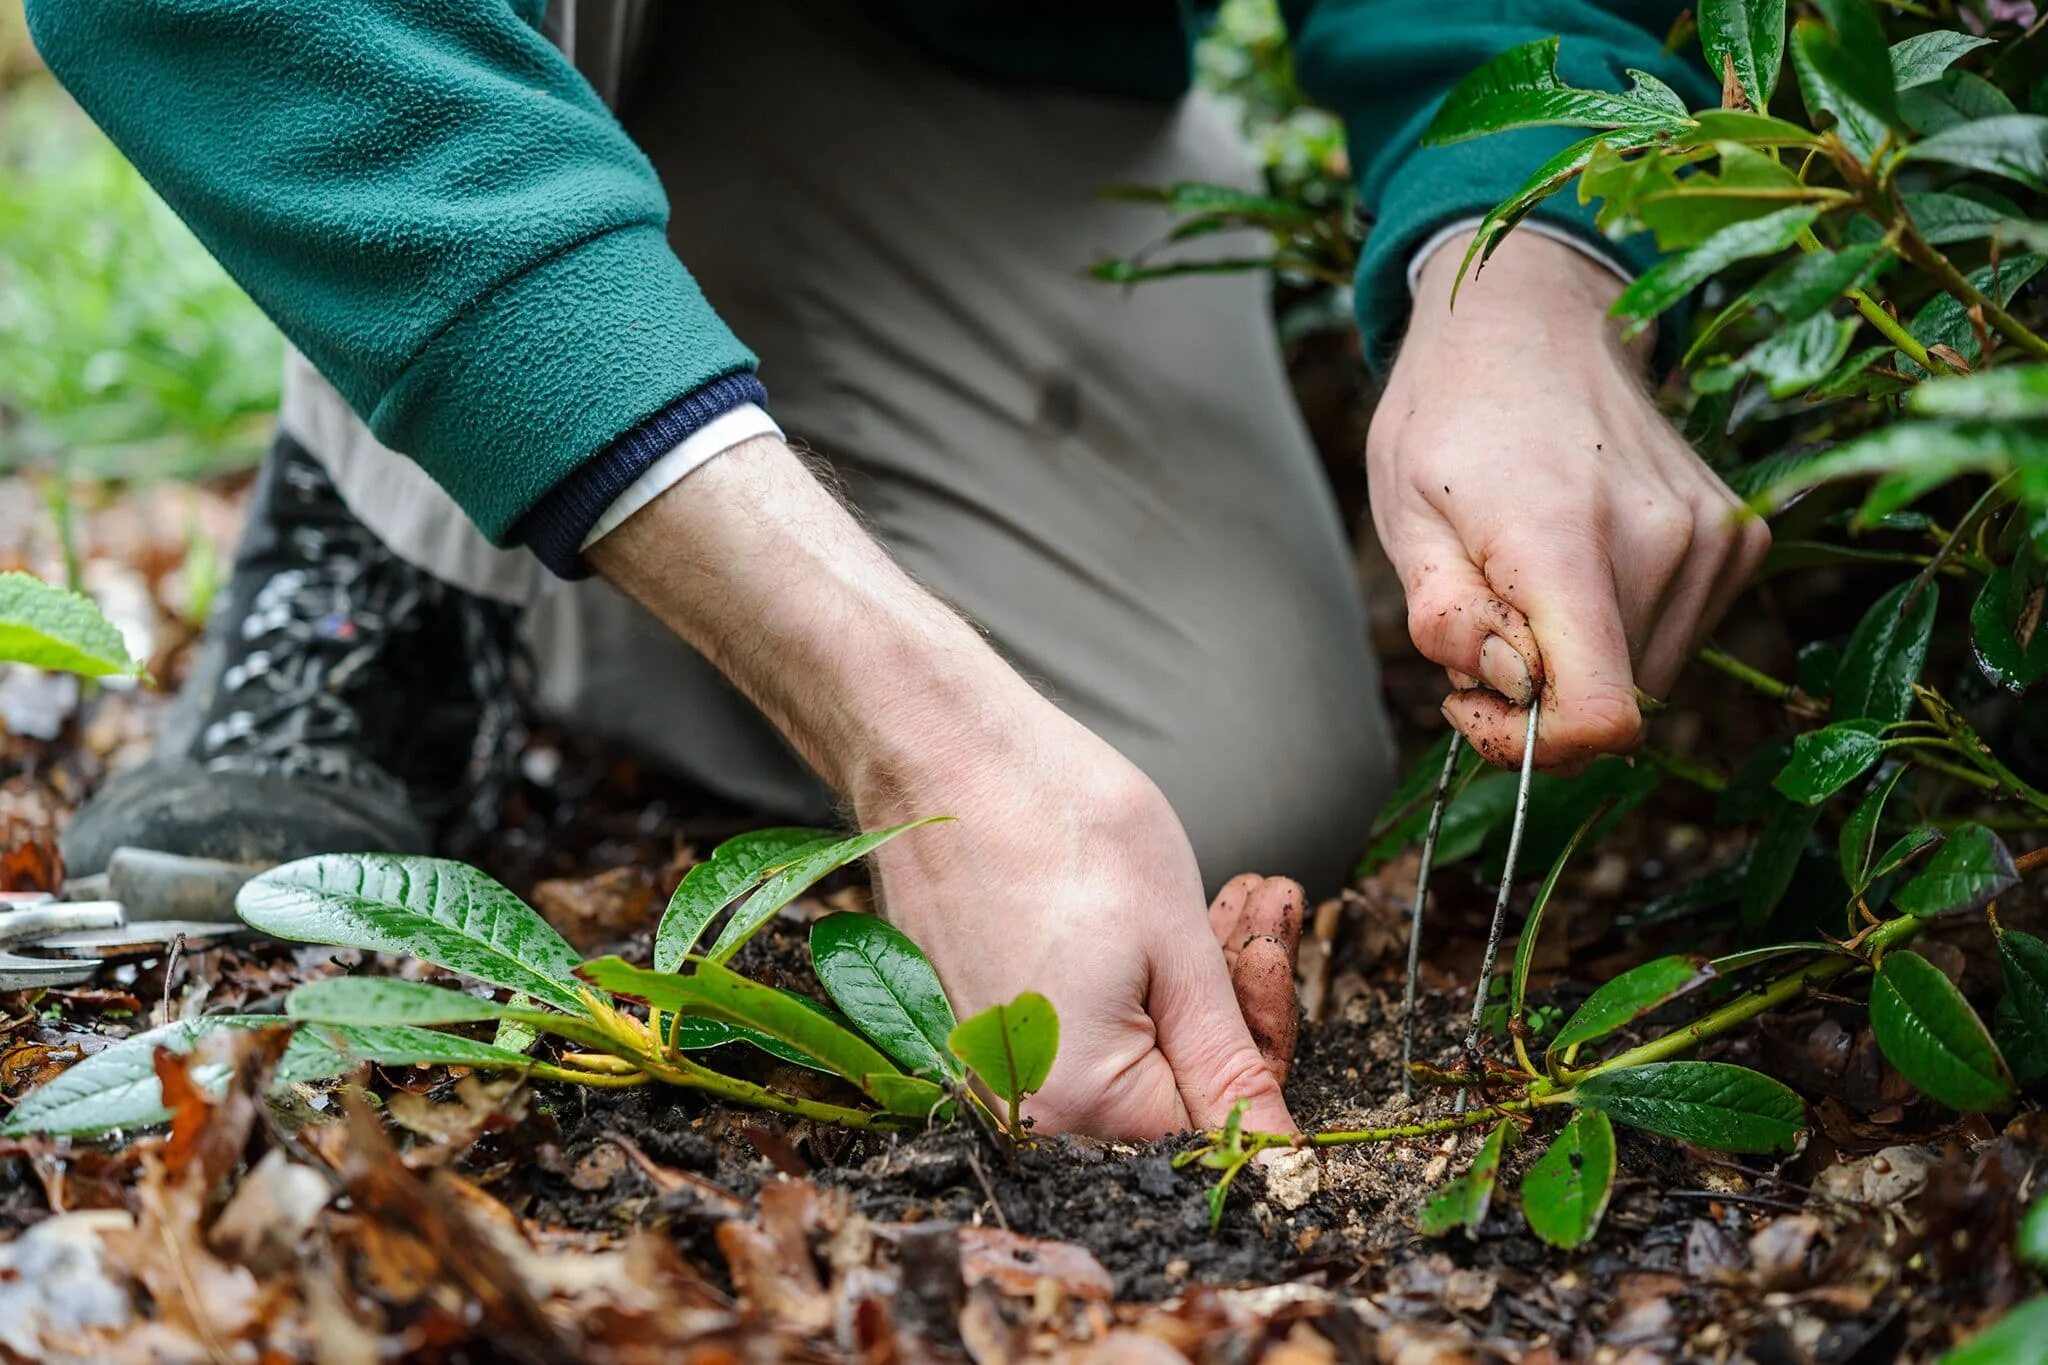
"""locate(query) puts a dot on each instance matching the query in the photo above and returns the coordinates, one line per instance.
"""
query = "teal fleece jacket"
(443, 216)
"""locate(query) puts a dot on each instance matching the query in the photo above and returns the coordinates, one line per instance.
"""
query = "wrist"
(1537, 298)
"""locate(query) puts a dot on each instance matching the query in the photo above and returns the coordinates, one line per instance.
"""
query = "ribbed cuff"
(556, 526)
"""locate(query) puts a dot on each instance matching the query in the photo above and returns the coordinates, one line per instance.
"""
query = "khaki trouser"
(1115, 485)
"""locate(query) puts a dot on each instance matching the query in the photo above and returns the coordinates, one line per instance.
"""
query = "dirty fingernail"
(1505, 672)
(1464, 682)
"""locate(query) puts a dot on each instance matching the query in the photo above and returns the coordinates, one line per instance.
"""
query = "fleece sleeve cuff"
(690, 454)
(538, 376)
(1437, 187)
(561, 523)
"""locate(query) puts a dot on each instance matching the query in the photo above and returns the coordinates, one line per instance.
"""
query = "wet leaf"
(2019, 1338)
(1774, 861)
(2014, 146)
(1749, 36)
(1955, 97)
(1825, 761)
(1714, 1104)
(734, 867)
(1565, 1193)
(1858, 841)
(1945, 219)
(1945, 321)
(1463, 1202)
(1903, 850)
(319, 1051)
(2023, 961)
(1520, 88)
(715, 992)
(447, 912)
(1971, 867)
(1929, 1032)
(1670, 280)
(887, 988)
(1628, 997)
(1885, 656)
(2011, 605)
(1852, 57)
(1816, 61)
(803, 871)
(1010, 1047)
(50, 627)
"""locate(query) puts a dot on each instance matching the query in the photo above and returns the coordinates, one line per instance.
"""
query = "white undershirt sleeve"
(692, 453)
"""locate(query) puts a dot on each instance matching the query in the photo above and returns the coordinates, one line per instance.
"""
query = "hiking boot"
(341, 700)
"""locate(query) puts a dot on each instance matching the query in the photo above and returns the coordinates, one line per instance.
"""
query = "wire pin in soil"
(1500, 903)
(1436, 822)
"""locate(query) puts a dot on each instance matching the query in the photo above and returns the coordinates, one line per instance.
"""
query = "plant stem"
(687, 1073)
(1473, 1118)
(1874, 313)
(1915, 249)
(601, 1079)
(1737, 1012)
(1791, 694)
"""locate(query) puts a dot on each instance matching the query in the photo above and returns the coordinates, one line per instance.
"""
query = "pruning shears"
(144, 900)
(1500, 904)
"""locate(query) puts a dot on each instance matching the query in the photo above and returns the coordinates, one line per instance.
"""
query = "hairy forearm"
(1536, 295)
(760, 568)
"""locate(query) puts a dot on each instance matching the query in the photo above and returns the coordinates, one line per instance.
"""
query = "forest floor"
(418, 1215)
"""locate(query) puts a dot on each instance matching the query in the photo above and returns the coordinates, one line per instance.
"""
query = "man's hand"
(1549, 526)
(1066, 871)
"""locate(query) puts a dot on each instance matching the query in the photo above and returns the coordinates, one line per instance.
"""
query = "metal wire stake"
(1507, 891)
(1436, 822)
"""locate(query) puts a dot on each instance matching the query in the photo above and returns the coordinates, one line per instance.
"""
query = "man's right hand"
(1066, 871)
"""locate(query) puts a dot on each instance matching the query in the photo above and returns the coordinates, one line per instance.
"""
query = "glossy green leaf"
(1926, 450)
(734, 868)
(1670, 280)
(1801, 287)
(1749, 37)
(1713, 1104)
(1010, 1048)
(1929, 1032)
(374, 1001)
(1546, 180)
(2010, 393)
(1520, 89)
(49, 627)
(1944, 321)
(2023, 960)
(1885, 655)
(2010, 603)
(2018, 1338)
(1944, 219)
(1747, 126)
(448, 913)
(319, 1051)
(1904, 850)
(1482, 807)
(1729, 963)
(1970, 869)
(716, 992)
(1826, 760)
(1955, 97)
(1774, 860)
(1464, 1201)
(2014, 146)
(1858, 841)
(1925, 56)
(1624, 999)
(804, 870)
(1532, 926)
(1565, 1193)
(696, 1033)
(1853, 58)
(1817, 60)
(887, 988)
(1789, 360)
(1685, 210)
